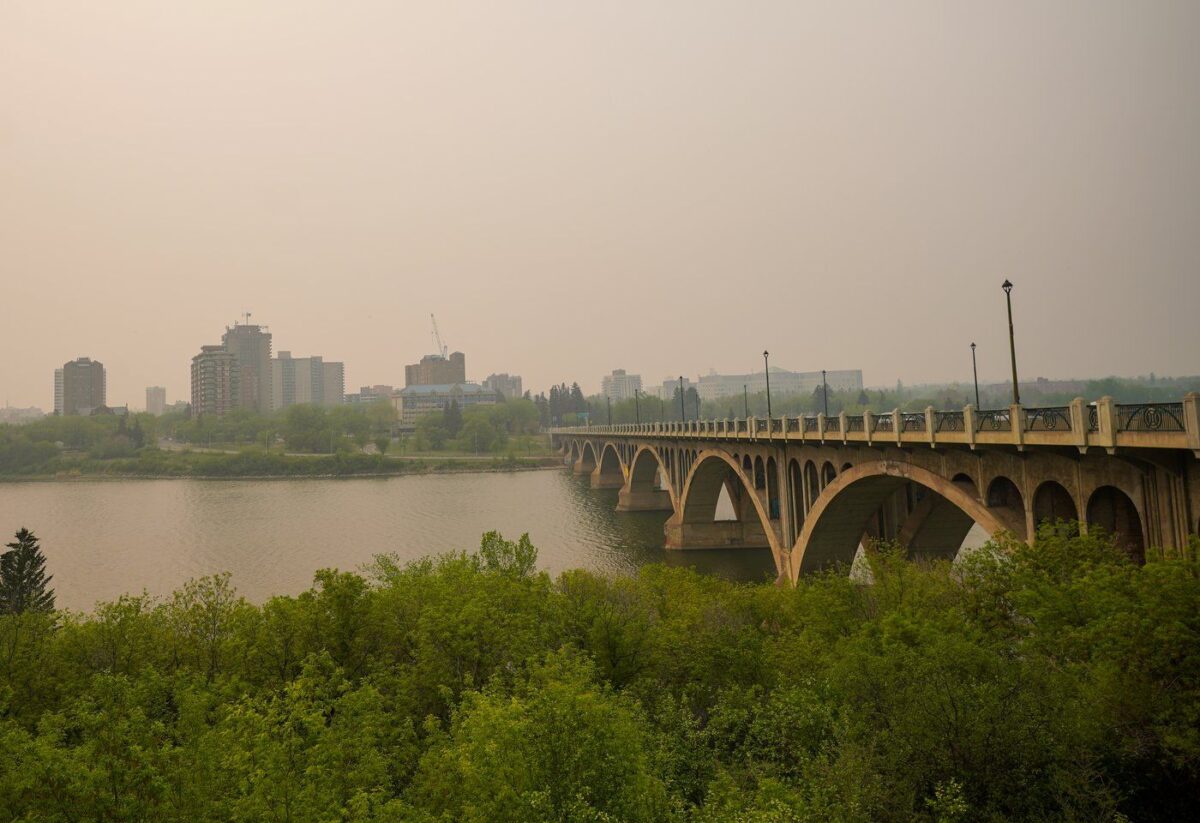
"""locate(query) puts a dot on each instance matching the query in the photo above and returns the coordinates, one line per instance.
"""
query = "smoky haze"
(575, 187)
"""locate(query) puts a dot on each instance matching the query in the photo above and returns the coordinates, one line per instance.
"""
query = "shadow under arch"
(695, 526)
(838, 518)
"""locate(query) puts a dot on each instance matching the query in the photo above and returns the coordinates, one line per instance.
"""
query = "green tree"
(23, 578)
(452, 418)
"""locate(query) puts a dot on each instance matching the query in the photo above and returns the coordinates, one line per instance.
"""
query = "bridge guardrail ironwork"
(949, 421)
(1150, 417)
(1052, 418)
(997, 420)
(1102, 424)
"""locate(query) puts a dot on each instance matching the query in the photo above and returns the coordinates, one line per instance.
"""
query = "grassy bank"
(253, 463)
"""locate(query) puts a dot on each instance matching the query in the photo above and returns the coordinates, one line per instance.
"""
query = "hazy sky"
(579, 186)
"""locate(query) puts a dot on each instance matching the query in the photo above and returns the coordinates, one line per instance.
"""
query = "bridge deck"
(1103, 424)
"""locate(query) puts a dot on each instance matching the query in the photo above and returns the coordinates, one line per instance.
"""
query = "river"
(106, 538)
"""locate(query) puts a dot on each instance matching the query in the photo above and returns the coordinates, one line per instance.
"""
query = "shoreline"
(410, 472)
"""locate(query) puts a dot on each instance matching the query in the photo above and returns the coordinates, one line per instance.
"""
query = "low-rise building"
(369, 394)
(413, 402)
(714, 386)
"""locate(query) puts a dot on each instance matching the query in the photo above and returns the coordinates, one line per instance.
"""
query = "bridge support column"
(580, 467)
(643, 500)
(720, 534)
(601, 480)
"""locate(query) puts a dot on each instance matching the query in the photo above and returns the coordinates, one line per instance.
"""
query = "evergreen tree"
(453, 419)
(23, 577)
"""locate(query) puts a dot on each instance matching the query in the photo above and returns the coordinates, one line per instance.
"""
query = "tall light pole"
(746, 400)
(609, 399)
(682, 410)
(767, 372)
(637, 408)
(1012, 343)
(824, 393)
(975, 372)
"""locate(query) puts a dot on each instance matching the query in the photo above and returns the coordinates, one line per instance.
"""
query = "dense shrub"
(1052, 681)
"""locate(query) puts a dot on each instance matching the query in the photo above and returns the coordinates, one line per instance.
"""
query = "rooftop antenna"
(246, 315)
(439, 347)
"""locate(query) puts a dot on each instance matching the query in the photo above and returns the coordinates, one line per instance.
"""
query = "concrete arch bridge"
(810, 489)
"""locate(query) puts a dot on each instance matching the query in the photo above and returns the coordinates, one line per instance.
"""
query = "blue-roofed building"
(412, 402)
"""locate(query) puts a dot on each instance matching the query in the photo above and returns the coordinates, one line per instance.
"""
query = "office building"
(84, 387)
(251, 347)
(58, 391)
(713, 386)
(435, 370)
(156, 400)
(413, 402)
(507, 386)
(669, 386)
(619, 385)
(216, 382)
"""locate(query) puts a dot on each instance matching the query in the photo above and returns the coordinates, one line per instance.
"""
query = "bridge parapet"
(1103, 423)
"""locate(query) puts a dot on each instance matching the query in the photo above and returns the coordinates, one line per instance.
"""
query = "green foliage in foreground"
(1056, 681)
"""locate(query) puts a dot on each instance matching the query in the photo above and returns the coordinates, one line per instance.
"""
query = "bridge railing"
(1103, 424)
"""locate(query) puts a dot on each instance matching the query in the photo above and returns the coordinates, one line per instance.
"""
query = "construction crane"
(439, 347)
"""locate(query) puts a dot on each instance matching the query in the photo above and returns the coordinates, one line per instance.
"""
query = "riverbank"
(262, 465)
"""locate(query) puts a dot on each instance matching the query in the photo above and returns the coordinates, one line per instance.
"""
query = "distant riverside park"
(934, 612)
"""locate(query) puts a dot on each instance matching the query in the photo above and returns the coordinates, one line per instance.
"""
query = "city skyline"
(845, 190)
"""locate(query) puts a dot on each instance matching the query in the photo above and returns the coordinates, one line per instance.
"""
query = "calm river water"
(106, 538)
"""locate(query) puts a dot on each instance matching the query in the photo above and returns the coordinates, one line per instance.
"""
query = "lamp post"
(682, 410)
(1012, 344)
(609, 399)
(975, 372)
(767, 372)
(637, 408)
(824, 393)
(746, 400)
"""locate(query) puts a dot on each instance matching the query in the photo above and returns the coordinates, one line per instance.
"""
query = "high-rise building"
(84, 387)
(619, 385)
(216, 386)
(251, 347)
(156, 400)
(58, 391)
(507, 386)
(335, 383)
(306, 380)
(435, 370)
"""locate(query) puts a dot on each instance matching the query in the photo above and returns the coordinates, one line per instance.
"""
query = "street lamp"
(975, 372)
(609, 399)
(637, 408)
(746, 400)
(767, 372)
(824, 393)
(1012, 344)
(682, 410)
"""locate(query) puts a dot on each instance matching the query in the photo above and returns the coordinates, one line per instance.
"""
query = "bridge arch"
(611, 461)
(1115, 512)
(838, 518)
(1052, 501)
(647, 470)
(586, 464)
(714, 471)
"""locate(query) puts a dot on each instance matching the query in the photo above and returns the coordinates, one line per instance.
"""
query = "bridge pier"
(719, 534)
(606, 480)
(643, 500)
